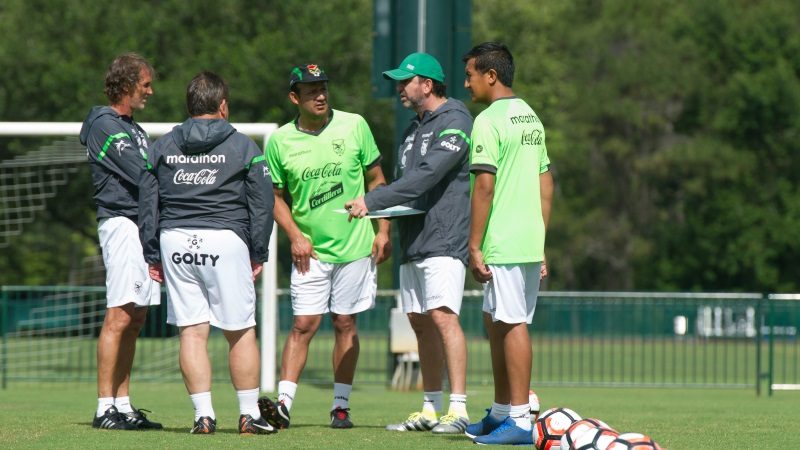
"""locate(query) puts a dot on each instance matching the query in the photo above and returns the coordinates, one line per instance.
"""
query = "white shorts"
(340, 288)
(209, 278)
(127, 277)
(432, 283)
(510, 296)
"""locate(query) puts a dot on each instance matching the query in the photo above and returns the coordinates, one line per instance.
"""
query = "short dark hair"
(123, 75)
(205, 93)
(493, 55)
(439, 88)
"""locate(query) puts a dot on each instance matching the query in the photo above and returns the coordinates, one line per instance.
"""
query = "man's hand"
(357, 208)
(302, 252)
(543, 270)
(480, 271)
(257, 267)
(156, 272)
(381, 247)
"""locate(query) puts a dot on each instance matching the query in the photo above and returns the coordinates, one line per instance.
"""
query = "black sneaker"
(139, 418)
(340, 418)
(113, 420)
(275, 413)
(248, 425)
(204, 425)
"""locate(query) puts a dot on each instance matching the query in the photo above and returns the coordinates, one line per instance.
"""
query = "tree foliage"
(673, 126)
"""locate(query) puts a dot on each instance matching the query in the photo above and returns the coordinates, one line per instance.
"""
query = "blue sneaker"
(508, 433)
(484, 427)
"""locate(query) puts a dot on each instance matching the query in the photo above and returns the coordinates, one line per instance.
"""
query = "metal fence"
(579, 338)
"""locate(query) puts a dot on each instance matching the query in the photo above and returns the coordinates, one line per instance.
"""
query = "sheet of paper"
(394, 211)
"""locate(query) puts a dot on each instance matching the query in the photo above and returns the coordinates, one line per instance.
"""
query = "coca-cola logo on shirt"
(204, 176)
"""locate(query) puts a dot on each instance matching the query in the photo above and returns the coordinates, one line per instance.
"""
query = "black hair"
(493, 55)
(205, 93)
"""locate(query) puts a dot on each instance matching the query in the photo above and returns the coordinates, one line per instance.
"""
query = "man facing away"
(321, 157)
(115, 146)
(511, 199)
(432, 176)
(205, 213)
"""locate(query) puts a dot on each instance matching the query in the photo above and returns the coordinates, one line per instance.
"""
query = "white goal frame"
(269, 288)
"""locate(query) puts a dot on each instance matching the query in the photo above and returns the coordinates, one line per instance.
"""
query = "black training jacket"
(431, 174)
(116, 147)
(205, 174)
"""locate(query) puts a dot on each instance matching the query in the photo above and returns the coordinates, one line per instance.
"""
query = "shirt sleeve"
(273, 161)
(485, 155)
(449, 149)
(148, 210)
(260, 202)
(369, 149)
(544, 159)
(115, 149)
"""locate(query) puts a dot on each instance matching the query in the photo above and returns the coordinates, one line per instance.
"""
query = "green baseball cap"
(421, 64)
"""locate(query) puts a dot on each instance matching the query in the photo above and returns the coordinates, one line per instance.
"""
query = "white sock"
(432, 404)
(458, 405)
(103, 403)
(248, 402)
(341, 395)
(286, 391)
(521, 415)
(202, 405)
(500, 412)
(123, 404)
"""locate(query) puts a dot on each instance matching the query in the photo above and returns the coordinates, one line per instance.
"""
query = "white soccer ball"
(533, 401)
(595, 439)
(577, 429)
(631, 441)
(551, 425)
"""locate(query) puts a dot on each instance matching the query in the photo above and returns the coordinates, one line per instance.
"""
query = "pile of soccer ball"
(564, 429)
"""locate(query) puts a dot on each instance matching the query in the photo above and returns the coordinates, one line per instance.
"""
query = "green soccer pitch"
(56, 415)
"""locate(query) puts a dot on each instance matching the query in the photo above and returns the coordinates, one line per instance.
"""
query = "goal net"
(61, 325)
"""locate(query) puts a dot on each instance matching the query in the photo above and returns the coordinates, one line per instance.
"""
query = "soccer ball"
(551, 425)
(633, 441)
(533, 400)
(577, 429)
(595, 439)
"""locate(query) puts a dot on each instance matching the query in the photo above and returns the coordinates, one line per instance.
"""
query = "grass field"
(57, 415)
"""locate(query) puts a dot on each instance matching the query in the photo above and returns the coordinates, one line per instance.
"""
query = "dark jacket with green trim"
(431, 174)
(205, 174)
(116, 147)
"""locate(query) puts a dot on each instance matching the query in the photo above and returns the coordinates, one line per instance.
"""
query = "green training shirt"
(321, 171)
(508, 140)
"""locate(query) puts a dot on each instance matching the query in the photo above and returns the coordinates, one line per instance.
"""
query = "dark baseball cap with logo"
(421, 64)
(307, 73)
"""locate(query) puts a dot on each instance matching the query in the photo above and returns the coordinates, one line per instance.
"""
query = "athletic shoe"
(275, 413)
(484, 427)
(204, 425)
(139, 418)
(451, 424)
(248, 425)
(340, 418)
(415, 422)
(112, 419)
(508, 433)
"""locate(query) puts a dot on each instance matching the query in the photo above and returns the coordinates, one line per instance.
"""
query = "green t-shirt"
(508, 140)
(321, 171)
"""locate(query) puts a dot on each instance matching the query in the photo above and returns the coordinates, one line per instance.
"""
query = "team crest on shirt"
(423, 148)
(338, 146)
(478, 149)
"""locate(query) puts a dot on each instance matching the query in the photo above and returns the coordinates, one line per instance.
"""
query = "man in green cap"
(432, 176)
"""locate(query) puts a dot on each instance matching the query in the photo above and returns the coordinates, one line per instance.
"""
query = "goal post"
(268, 297)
